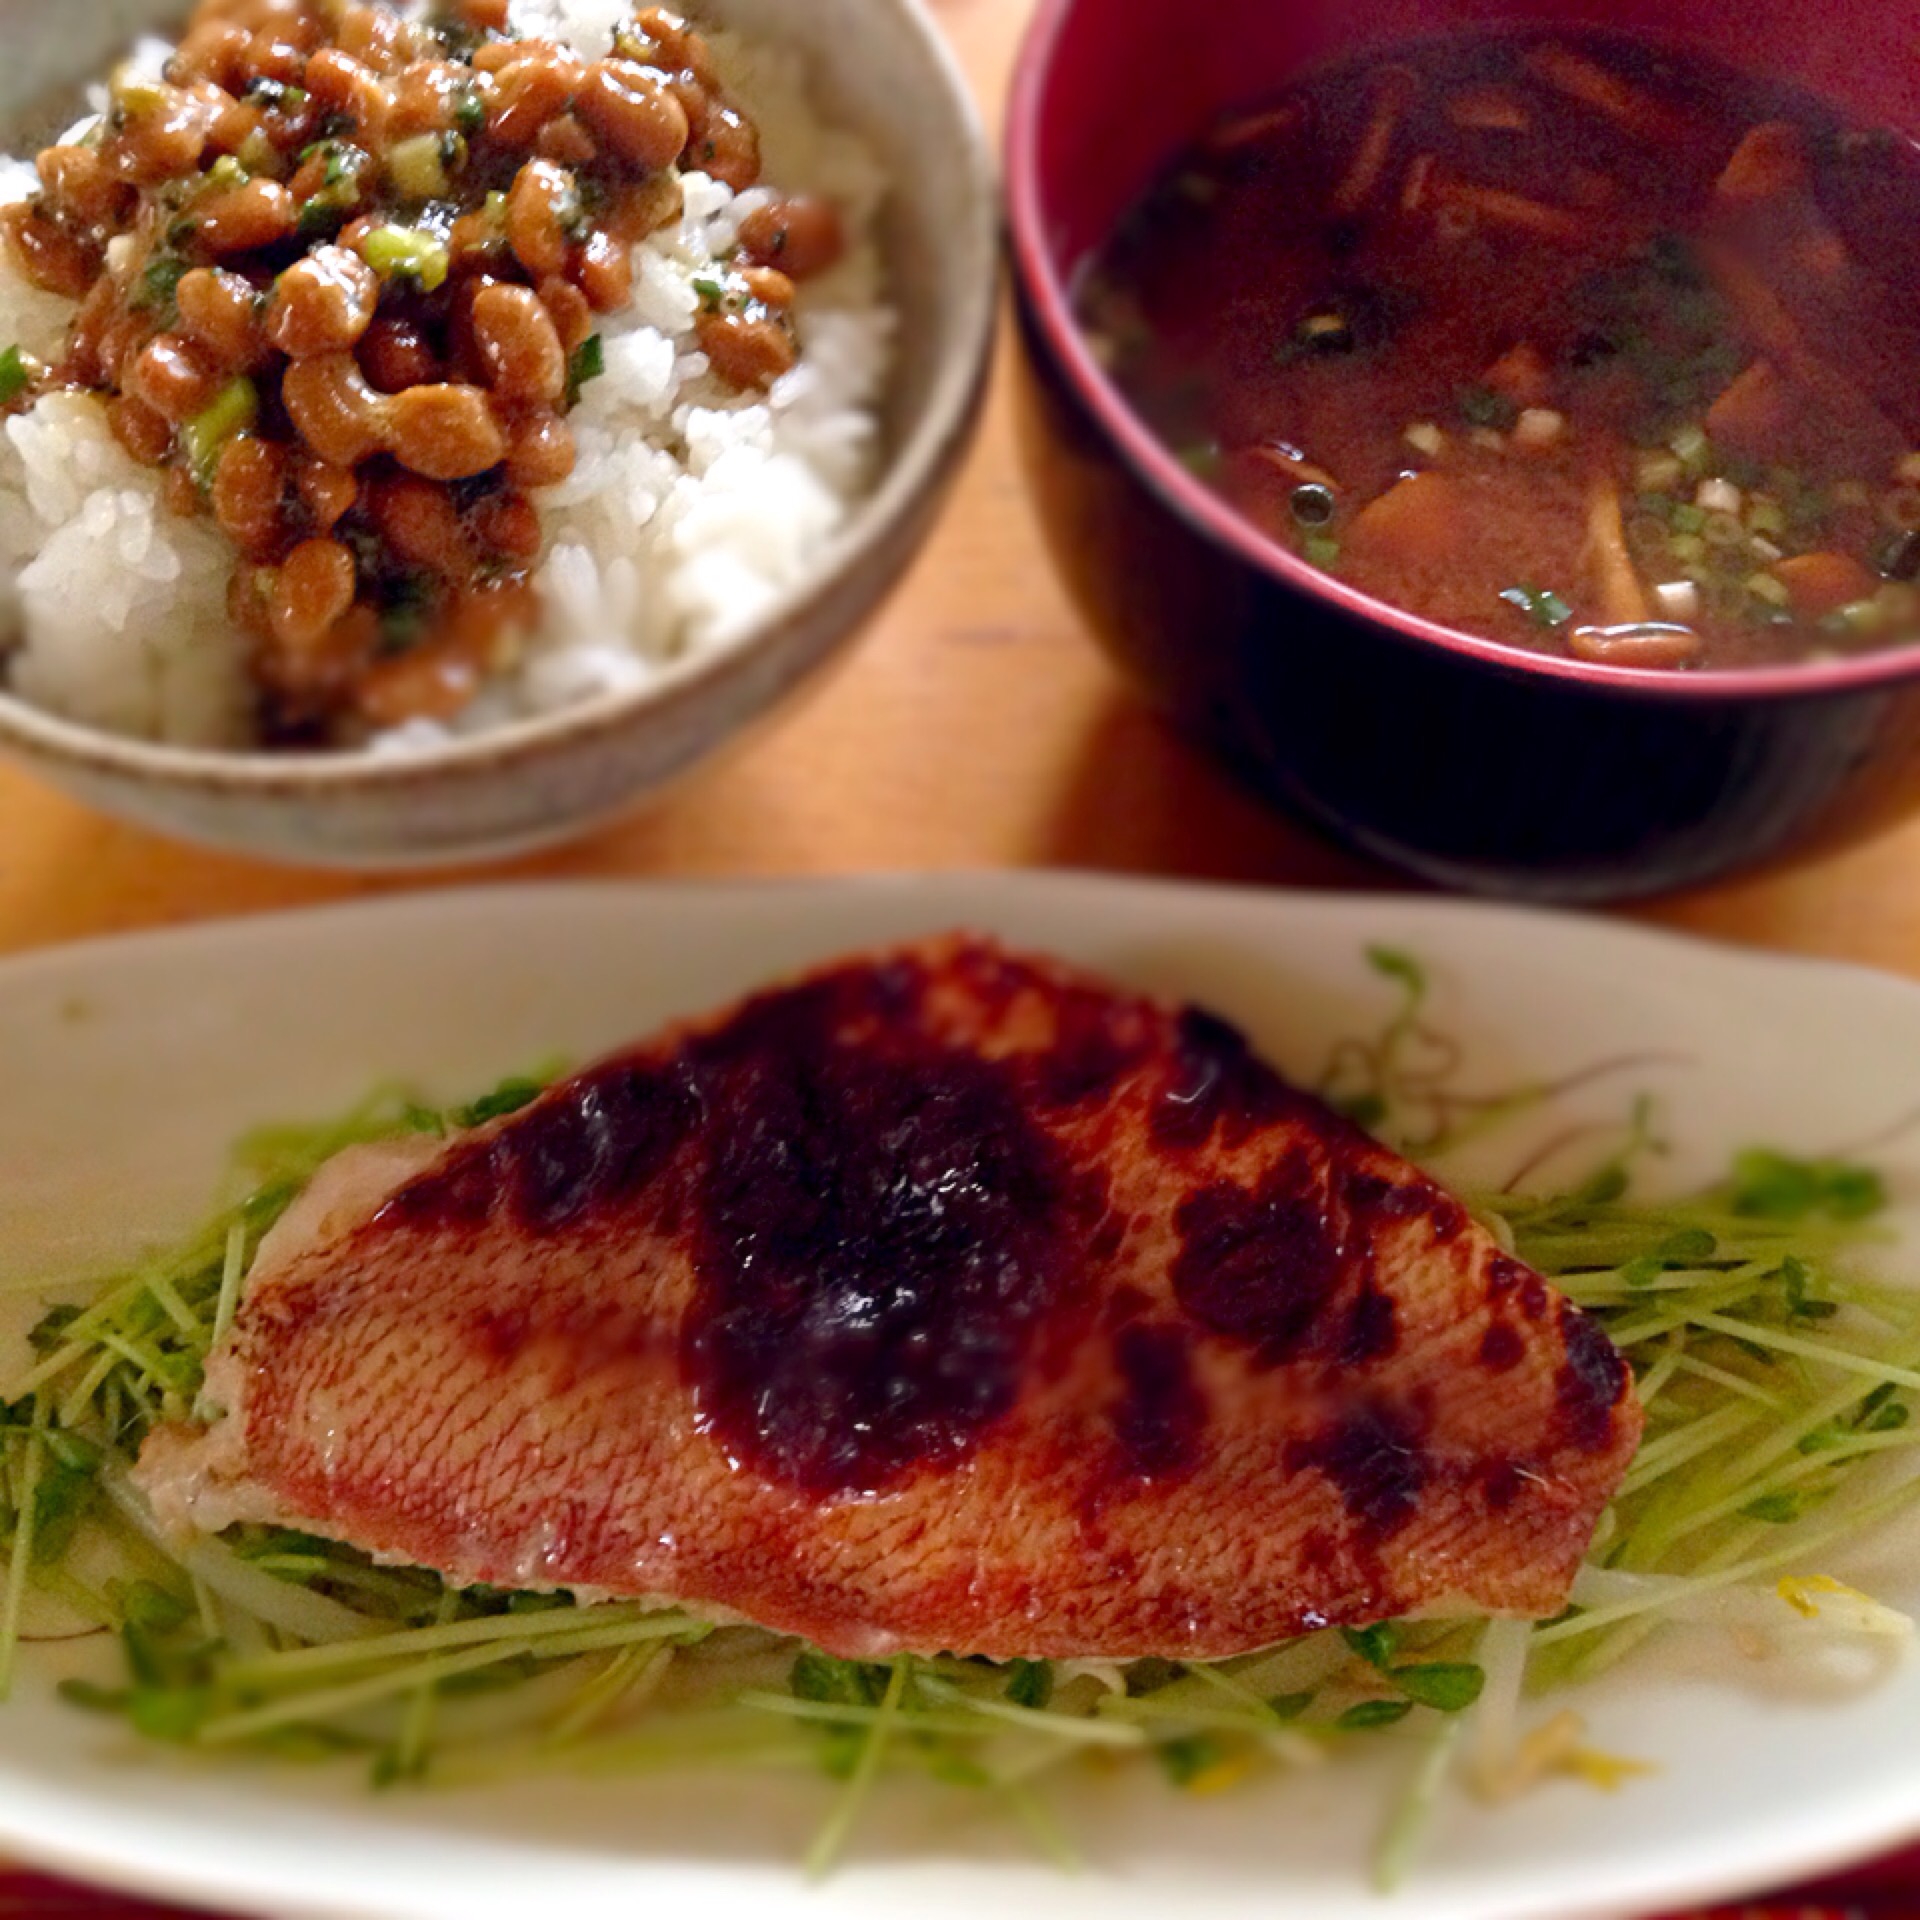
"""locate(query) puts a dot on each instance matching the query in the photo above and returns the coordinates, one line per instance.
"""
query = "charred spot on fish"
(1504, 1273)
(1161, 1415)
(595, 1141)
(991, 977)
(1590, 1381)
(553, 1158)
(1507, 1275)
(1318, 1549)
(1376, 1460)
(1365, 1191)
(1095, 1047)
(500, 1335)
(1372, 1331)
(898, 984)
(1124, 1306)
(1217, 1083)
(1501, 1480)
(780, 1024)
(1501, 1347)
(1370, 1194)
(648, 1117)
(460, 1192)
(1260, 1265)
(880, 1234)
(1108, 1237)
(599, 1141)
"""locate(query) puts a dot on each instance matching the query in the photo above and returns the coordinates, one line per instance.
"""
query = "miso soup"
(1559, 340)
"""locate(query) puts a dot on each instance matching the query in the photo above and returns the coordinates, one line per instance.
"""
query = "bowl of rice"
(427, 429)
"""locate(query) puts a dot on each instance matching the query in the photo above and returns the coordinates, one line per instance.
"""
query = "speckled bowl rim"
(913, 473)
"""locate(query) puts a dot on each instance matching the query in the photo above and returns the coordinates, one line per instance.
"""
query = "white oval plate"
(131, 1065)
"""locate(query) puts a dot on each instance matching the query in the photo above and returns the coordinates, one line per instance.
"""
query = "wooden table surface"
(974, 726)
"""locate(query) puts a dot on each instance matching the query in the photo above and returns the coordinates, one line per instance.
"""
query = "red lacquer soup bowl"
(1468, 762)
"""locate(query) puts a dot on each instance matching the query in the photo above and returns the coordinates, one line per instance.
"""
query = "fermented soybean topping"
(338, 273)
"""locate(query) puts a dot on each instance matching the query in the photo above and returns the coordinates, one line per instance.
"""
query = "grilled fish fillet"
(947, 1299)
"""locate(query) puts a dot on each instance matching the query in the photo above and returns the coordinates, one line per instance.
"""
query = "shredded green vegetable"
(1541, 605)
(588, 361)
(232, 410)
(1777, 1379)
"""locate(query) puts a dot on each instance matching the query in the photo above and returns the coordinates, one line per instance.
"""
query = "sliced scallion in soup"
(1557, 340)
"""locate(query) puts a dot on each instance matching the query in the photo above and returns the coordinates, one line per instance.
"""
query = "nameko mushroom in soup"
(1561, 341)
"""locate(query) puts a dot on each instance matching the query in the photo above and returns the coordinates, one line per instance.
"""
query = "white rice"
(691, 507)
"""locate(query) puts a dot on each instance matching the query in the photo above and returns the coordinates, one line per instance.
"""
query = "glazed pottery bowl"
(879, 66)
(1469, 763)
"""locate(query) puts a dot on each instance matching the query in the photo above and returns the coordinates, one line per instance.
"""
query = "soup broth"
(1557, 340)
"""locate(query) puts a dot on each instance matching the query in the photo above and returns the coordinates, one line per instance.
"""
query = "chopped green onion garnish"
(588, 361)
(408, 253)
(1483, 407)
(416, 167)
(133, 94)
(16, 376)
(263, 92)
(1541, 605)
(1694, 449)
(159, 281)
(226, 175)
(233, 410)
(1321, 551)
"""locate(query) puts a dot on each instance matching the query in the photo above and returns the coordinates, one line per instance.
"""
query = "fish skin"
(946, 1300)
